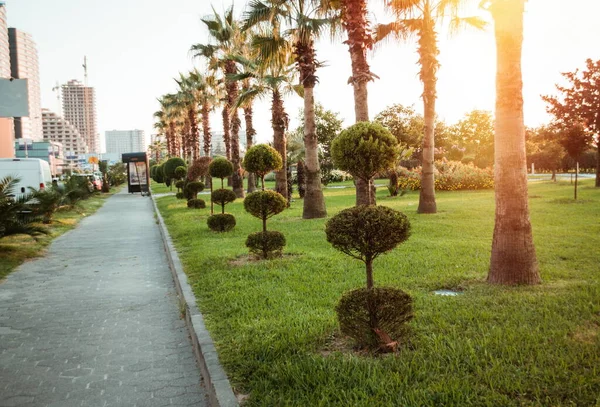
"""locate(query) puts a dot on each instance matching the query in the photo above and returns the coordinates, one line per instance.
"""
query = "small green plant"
(196, 203)
(221, 168)
(180, 195)
(365, 232)
(179, 185)
(15, 216)
(221, 222)
(261, 160)
(266, 244)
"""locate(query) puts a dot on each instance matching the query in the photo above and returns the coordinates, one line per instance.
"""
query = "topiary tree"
(364, 232)
(263, 205)
(170, 166)
(196, 203)
(365, 149)
(180, 172)
(221, 222)
(261, 160)
(193, 188)
(222, 197)
(179, 185)
(222, 168)
(198, 169)
(159, 175)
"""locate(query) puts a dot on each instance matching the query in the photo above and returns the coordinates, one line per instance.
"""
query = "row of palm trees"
(272, 47)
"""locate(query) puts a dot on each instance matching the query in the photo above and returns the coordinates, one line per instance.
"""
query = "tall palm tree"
(169, 120)
(306, 21)
(274, 76)
(225, 32)
(513, 259)
(419, 17)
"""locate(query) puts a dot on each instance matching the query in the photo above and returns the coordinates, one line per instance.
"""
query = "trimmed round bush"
(221, 222)
(262, 159)
(365, 149)
(390, 307)
(264, 204)
(180, 184)
(180, 195)
(193, 187)
(220, 167)
(180, 172)
(366, 231)
(196, 204)
(159, 175)
(198, 168)
(153, 171)
(267, 244)
(171, 165)
(222, 197)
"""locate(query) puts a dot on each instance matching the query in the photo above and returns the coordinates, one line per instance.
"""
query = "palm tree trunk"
(279, 123)
(428, 60)
(355, 23)
(314, 202)
(194, 133)
(206, 128)
(513, 259)
(250, 132)
(232, 95)
(226, 131)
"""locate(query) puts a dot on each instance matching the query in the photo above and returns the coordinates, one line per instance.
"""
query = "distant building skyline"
(125, 141)
(57, 129)
(79, 109)
(24, 64)
(7, 145)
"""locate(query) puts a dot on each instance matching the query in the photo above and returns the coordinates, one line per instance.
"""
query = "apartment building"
(125, 141)
(7, 149)
(79, 109)
(57, 129)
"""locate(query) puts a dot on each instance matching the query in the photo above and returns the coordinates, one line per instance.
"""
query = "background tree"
(475, 133)
(579, 102)
(575, 139)
(419, 17)
(513, 259)
(544, 150)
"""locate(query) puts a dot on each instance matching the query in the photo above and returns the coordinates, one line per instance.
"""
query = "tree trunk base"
(314, 202)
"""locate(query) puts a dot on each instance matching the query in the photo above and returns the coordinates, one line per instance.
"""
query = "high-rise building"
(24, 65)
(125, 141)
(59, 130)
(7, 144)
(79, 109)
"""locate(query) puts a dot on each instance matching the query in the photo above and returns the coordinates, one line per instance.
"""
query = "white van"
(32, 172)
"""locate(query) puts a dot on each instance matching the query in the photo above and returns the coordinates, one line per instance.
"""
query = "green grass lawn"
(14, 250)
(276, 332)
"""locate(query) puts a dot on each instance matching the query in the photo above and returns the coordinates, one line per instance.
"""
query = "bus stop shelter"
(137, 172)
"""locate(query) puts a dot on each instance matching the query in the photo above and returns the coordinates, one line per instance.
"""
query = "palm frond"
(458, 24)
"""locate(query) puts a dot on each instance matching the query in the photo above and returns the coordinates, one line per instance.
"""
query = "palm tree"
(419, 17)
(305, 25)
(513, 259)
(274, 74)
(224, 31)
(157, 147)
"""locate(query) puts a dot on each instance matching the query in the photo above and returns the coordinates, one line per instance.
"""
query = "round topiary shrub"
(171, 165)
(168, 182)
(262, 159)
(180, 172)
(179, 184)
(221, 222)
(196, 204)
(266, 244)
(222, 197)
(199, 168)
(153, 171)
(159, 175)
(180, 195)
(264, 204)
(220, 167)
(389, 308)
(365, 149)
(193, 187)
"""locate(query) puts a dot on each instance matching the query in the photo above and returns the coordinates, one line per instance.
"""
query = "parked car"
(32, 172)
(94, 180)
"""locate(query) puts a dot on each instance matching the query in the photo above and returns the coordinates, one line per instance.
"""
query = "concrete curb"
(216, 382)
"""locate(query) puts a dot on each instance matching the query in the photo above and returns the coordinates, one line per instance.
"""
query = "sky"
(135, 48)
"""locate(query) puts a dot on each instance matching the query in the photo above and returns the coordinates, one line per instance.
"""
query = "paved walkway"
(96, 321)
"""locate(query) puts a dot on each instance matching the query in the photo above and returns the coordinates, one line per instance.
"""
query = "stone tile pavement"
(95, 322)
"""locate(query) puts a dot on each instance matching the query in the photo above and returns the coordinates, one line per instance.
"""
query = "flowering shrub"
(338, 176)
(449, 176)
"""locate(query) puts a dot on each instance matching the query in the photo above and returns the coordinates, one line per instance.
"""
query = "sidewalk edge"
(217, 384)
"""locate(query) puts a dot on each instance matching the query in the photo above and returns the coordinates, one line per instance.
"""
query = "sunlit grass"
(14, 250)
(490, 346)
